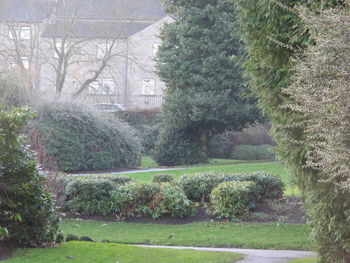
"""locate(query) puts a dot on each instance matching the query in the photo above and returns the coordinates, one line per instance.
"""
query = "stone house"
(97, 51)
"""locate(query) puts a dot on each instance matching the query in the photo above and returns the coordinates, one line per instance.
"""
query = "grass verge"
(204, 234)
(79, 252)
(304, 260)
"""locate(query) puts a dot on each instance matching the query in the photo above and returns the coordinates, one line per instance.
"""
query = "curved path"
(252, 255)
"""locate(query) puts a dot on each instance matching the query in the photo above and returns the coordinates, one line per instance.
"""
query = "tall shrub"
(320, 93)
(26, 210)
(273, 32)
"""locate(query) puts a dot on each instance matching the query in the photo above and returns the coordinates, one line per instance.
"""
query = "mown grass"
(225, 166)
(304, 260)
(79, 252)
(204, 234)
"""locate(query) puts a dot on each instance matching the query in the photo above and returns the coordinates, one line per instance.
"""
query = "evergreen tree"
(198, 63)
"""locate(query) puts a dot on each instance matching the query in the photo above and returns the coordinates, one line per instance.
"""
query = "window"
(148, 87)
(25, 62)
(102, 50)
(102, 86)
(155, 49)
(19, 32)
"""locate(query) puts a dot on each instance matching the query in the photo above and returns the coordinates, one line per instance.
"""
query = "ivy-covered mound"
(70, 137)
(27, 212)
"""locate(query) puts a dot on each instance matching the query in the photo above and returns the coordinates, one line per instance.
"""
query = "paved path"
(131, 172)
(253, 255)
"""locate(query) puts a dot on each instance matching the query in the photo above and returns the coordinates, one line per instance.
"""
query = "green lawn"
(80, 252)
(304, 260)
(212, 234)
(224, 166)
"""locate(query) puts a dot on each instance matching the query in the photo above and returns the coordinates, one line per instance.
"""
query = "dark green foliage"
(59, 238)
(86, 239)
(232, 199)
(274, 34)
(115, 179)
(175, 148)
(198, 63)
(75, 138)
(71, 237)
(171, 200)
(250, 152)
(199, 186)
(26, 209)
(90, 196)
(163, 178)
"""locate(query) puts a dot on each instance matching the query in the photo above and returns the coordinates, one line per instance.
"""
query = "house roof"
(24, 10)
(95, 29)
(144, 10)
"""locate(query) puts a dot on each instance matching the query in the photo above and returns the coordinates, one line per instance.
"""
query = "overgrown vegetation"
(70, 137)
(27, 211)
(274, 33)
(249, 152)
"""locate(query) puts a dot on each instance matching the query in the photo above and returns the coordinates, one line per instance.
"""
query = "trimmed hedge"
(199, 186)
(70, 137)
(250, 152)
(233, 200)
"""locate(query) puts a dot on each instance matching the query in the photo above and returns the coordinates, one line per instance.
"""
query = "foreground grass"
(212, 234)
(79, 252)
(225, 166)
(304, 260)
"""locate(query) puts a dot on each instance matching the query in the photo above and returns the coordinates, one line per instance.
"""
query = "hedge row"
(230, 195)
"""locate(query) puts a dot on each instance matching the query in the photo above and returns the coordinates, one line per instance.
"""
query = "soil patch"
(287, 210)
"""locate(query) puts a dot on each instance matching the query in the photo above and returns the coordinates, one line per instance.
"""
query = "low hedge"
(199, 186)
(233, 200)
(250, 152)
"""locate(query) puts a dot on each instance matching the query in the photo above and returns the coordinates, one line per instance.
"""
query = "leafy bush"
(127, 198)
(232, 199)
(163, 178)
(171, 200)
(115, 179)
(199, 186)
(27, 211)
(176, 148)
(90, 196)
(249, 152)
(72, 137)
(3, 233)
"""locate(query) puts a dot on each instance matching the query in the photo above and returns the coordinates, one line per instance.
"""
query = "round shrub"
(250, 152)
(268, 186)
(163, 178)
(70, 137)
(126, 199)
(90, 196)
(116, 179)
(198, 187)
(172, 201)
(232, 199)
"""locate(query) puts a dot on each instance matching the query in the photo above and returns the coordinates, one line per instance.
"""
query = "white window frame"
(148, 87)
(98, 87)
(25, 61)
(102, 49)
(21, 32)
(155, 49)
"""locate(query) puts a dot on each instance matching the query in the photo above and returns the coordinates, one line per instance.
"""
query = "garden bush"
(171, 200)
(70, 137)
(163, 178)
(233, 200)
(199, 186)
(27, 211)
(127, 199)
(250, 152)
(90, 196)
(115, 179)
